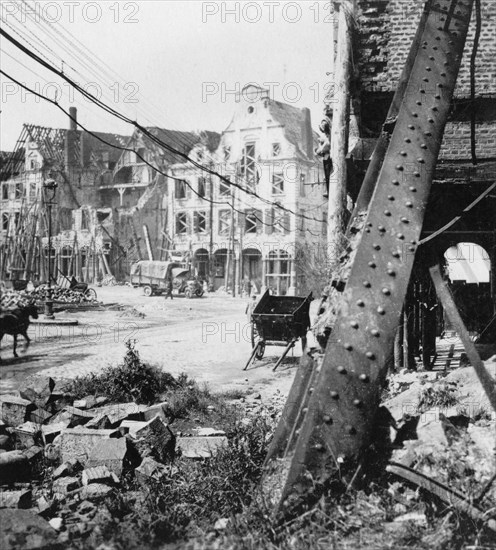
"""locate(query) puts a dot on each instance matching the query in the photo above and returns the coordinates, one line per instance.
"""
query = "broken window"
(18, 190)
(249, 166)
(182, 223)
(200, 222)
(227, 152)
(251, 222)
(276, 149)
(277, 184)
(199, 156)
(5, 191)
(181, 189)
(224, 222)
(224, 187)
(85, 219)
(32, 191)
(202, 187)
(5, 221)
(302, 184)
(280, 222)
(17, 220)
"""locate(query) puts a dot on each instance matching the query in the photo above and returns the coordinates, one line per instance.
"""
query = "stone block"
(99, 422)
(14, 410)
(121, 411)
(150, 470)
(25, 529)
(200, 447)
(16, 499)
(85, 403)
(160, 410)
(51, 431)
(28, 434)
(95, 491)
(68, 468)
(155, 439)
(112, 453)
(65, 485)
(99, 474)
(131, 427)
(78, 443)
(38, 391)
(5, 442)
(40, 416)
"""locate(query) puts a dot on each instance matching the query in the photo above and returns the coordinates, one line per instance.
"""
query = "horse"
(16, 321)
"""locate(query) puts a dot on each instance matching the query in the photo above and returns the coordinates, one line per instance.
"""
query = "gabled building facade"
(246, 229)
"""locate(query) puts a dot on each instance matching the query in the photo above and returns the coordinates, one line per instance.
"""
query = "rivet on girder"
(370, 355)
(341, 369)
(395, 182)
(367, 230)
(390, 198)
(400, 236)
(431, 120)
(386, 292)
(354, 324)
(364, 378)
(376, 246)
(381, 310)
(443, 75)
(366, 284)
(409, 204)
(397, 254)
(381, 228)
(411, 127)
(327, 419)
(439, 85)
(408, 140)
(348, 347)
(437, 96)
(399, 167)
(421, 161)
(438, 38)
(334, 395)
(351, 430)
(357, 403)
(431, 57)
(415, 115)
(304, 410)
(405, 220)
(423, 146)
(310, 390)
(412, 189)
(360, 303)
(369, 224)
(425, 79)
(422, 91)
(375, 332)
(418, 102)
(411, 248)
(403, 153)
(319, 447)
(428, 133)
(416, 174)
(372, 265)
(391, 272)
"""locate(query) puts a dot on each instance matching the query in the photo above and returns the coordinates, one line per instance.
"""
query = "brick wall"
(386, 29)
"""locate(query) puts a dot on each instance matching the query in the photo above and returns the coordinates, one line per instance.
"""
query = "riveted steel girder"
(341, 397)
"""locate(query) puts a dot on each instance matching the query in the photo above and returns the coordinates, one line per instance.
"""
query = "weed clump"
(132, 380)
(443, 395)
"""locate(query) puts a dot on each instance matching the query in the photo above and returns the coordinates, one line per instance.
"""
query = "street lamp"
(49, 188)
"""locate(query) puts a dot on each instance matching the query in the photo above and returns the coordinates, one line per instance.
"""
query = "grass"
(443, 395)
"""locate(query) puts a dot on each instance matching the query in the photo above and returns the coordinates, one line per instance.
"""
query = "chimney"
(307, 133)
(71, 140)
(73, 118)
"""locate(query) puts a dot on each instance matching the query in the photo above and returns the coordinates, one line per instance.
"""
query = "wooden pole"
(336, 213)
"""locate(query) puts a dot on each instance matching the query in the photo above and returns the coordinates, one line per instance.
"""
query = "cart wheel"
(199, 293)
(147, 290)
(260, 350)
(91, 294)
(254, 335)
(303, 343)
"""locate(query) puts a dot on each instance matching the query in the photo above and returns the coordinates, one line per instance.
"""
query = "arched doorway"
(220, 264)
(252, 268)
(201, 263)
(468, 267)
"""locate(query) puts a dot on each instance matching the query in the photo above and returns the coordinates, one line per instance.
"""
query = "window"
(5, 191)
(182, 223)
(277, 184)
(220, 258)
(32, 191)
(17, 219)
(18, 190)
(200, 222)
(224, 187)
(251, 222)
(181, 189)
(280, 222)
(324, 223)
(5, 221)
(202, 187)
(33, 165)
(276, 149)
(227, 152)
(303, 180)
(141, 154)
(199, 156)
(249, 166)
(224, 222)
(301, 220)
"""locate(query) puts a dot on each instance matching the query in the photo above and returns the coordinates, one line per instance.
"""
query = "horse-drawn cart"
(279, 321)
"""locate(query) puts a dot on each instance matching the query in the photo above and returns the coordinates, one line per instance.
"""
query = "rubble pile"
(60, 456)
(10, 299)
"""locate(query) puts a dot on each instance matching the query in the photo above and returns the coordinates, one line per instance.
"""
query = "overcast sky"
(179, 62)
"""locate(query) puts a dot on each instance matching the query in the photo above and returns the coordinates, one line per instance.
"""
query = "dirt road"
(208, 338)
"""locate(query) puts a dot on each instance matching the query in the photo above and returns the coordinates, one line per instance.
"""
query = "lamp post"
(49, 188)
